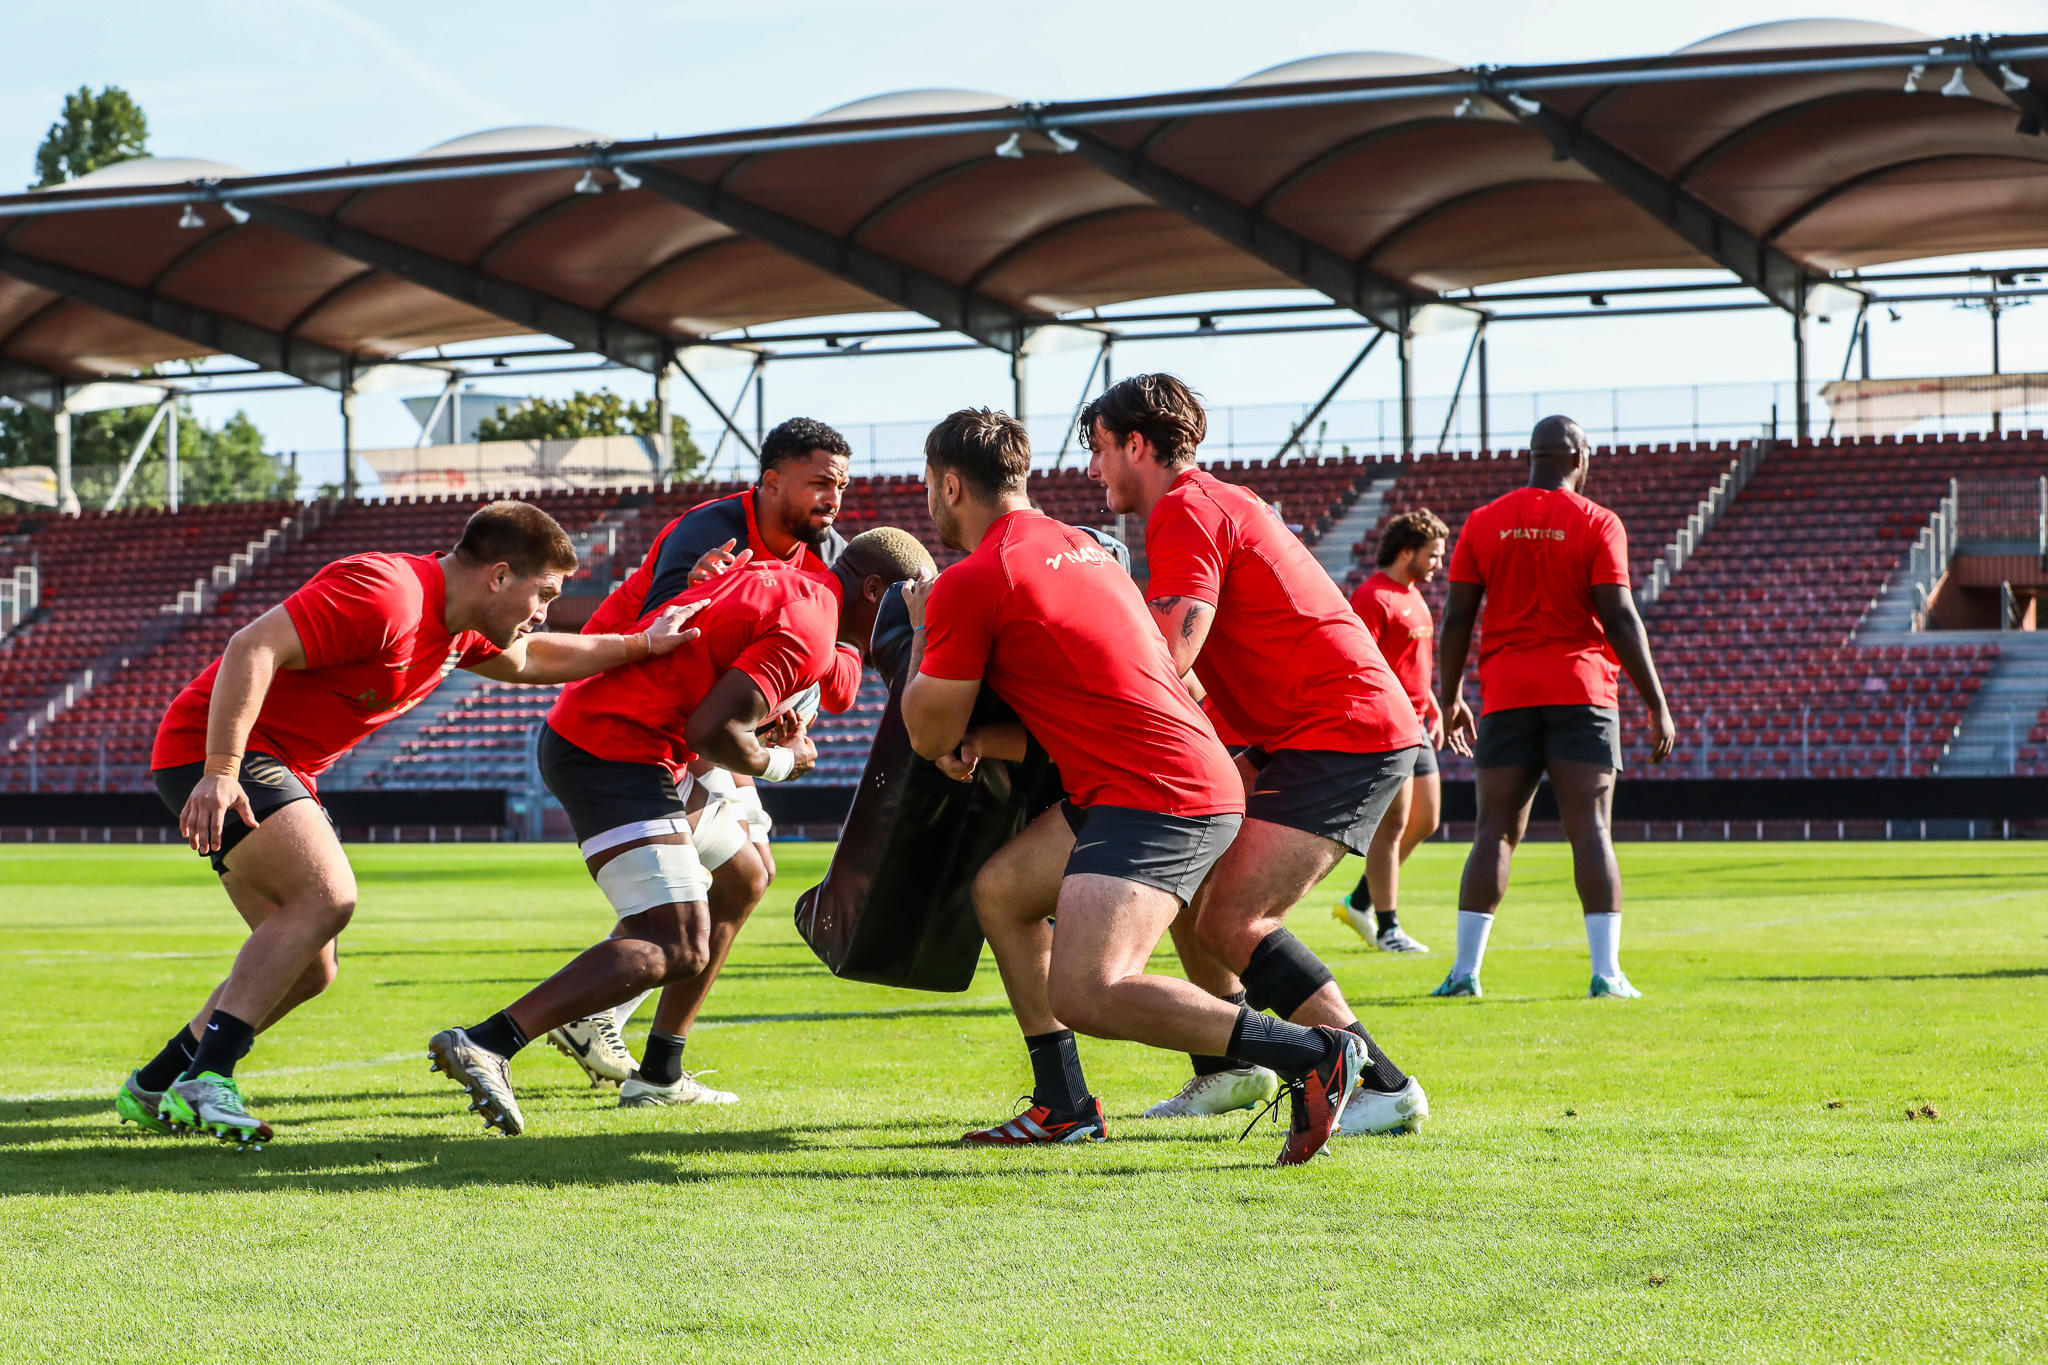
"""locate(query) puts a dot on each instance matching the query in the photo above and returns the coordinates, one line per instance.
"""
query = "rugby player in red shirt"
(1552, 567)
(1245, 608)
(1046, 618)
(616, 752)
(787, 515)
(237, 755)
(1397, 615)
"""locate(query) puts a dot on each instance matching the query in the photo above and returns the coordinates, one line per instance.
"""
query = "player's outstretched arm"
(722, 729)
(561, 658)
(253, 657)
(1454, 644)
(1616, 608)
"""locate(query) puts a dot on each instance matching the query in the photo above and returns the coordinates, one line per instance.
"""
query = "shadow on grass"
(445, 1161)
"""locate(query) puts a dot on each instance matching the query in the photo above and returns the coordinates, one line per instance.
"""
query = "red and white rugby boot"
(1317, 1100)
(1040, 1124)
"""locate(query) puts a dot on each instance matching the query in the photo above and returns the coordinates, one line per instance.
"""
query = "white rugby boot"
(1376, 1111)
(639, 1094)
(1220, 1092)
(483, 1073)
(594, 1044)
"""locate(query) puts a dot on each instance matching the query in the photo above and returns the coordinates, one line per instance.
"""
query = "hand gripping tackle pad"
(896, 907)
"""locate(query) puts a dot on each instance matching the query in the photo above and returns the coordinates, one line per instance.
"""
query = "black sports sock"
(1361, 897)
(662, 1062)
(497, 1034)
(1056, 1079)
(226, 1041)
(1380, 1071)
(1386, 919)
(1207, 1064)
(1293, 1050)
(168, 1065)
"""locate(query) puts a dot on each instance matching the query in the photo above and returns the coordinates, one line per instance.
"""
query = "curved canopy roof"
(1782, 153)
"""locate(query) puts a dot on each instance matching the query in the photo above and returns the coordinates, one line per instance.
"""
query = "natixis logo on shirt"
(370, 701)
(1531, 533)
(1091, 555)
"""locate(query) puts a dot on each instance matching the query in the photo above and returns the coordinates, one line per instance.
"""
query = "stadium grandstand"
(1822, 605)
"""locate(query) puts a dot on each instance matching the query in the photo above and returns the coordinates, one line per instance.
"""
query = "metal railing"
(1933, 549)
(1703, 517)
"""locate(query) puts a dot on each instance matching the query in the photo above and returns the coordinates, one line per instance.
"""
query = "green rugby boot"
(138, 1106)
(212, 1104)
(1457, 984)
(1614, 987)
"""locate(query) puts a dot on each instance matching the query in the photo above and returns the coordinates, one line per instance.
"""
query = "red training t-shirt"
(664, 574)
(1287, 662)
(1396, 615)
(1538, 553)
(772, 623)
(376, 641)
(1046, 617)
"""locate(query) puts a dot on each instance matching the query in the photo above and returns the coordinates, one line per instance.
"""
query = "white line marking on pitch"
(1914, 908)
(419, 1053)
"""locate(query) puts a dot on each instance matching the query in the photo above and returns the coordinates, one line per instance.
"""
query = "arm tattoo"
(1163, 605)
(1166, 606)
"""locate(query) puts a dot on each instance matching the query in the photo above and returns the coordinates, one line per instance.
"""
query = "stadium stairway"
(1337, 550)
(376, 761)
(1997, 734)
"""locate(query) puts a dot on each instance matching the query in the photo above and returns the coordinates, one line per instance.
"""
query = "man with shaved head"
(1552, 568)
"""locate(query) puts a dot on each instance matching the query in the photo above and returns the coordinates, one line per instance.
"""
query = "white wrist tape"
(781, 763)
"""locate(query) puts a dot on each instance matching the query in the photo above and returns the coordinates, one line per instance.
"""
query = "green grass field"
(1723, 1170)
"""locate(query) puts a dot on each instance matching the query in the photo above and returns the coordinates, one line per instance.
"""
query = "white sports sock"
(621, 1013)
(1473, 928)
(1603, 942)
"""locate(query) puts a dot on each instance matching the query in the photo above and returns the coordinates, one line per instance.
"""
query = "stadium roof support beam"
(586, 329)
(1387, 303)
(1758, 264)
(958, 308)
(304, 360)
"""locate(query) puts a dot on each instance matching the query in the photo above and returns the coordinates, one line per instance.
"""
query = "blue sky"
(282, 84)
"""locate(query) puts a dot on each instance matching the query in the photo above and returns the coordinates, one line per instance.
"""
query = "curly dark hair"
(797, 438)
(1410, 531)
(1159, 406)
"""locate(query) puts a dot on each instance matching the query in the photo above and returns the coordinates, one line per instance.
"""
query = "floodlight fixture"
(1597, 300)
(588, 184)
(235, 212)
(1523, 103)
(1913, 78)
(627, 180)
(2011, 79)
(1466, 109)
(1894, 313)
(1043, 142)
(1205, 323)
(1957, 87)
(1011, 148)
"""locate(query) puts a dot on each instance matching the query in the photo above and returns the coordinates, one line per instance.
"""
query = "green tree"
(94, 131)
(215, 464)
(603, 413)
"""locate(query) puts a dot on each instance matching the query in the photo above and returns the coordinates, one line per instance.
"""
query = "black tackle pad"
(896, 907)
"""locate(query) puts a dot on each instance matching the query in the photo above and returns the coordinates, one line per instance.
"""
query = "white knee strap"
(651, 875)
(718, 782)
(721, 832)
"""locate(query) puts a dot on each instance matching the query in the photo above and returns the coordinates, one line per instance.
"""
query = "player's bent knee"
(1080, 1004)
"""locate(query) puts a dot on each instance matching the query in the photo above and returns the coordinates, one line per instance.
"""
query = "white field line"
(419, 1054)
(1913, 907)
